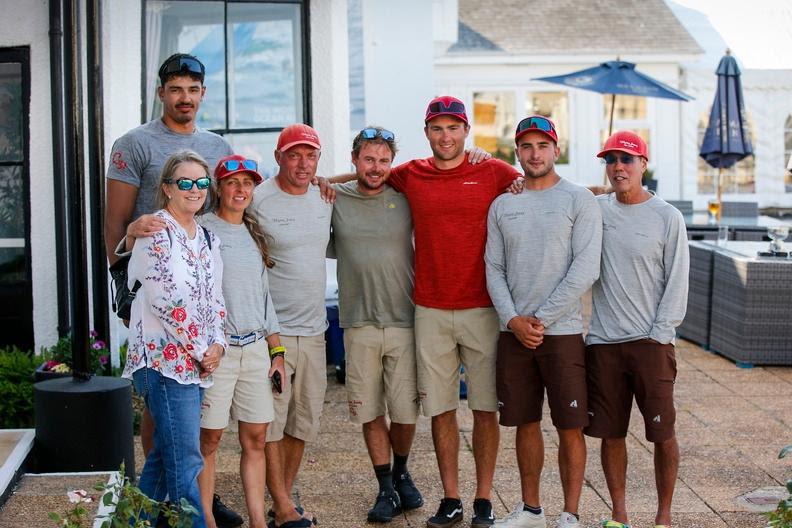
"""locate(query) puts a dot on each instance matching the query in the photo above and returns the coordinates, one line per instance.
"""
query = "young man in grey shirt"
(133, 175)
(639, 301)
(297, 220)
(542, 254)
(373, 242)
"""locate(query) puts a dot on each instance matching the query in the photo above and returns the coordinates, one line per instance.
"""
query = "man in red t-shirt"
(455, 323)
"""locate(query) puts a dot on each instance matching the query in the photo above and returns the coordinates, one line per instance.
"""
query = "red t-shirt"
(449, 210)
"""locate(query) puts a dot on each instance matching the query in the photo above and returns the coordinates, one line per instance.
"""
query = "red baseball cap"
(625, 141)
(446, 105)
(298, 134)
(234, 164)
(537, 123)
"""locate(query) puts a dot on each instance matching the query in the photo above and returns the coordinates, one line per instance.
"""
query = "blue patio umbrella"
(727, 139)
(617, 77)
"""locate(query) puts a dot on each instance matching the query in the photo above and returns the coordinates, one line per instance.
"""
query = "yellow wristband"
(277, 351)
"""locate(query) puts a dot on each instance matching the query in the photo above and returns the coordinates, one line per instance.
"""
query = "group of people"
(445, 262)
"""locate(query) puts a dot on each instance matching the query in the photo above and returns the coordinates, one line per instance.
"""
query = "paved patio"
(731, 422)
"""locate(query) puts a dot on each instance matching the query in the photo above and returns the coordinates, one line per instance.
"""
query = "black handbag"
(122, 295)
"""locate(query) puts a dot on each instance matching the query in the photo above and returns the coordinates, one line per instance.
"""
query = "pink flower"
(193, 328)
(179, 313)
(170, 352)
(151, 346)
(179, 369)
(98, 345)
(93, 333)
(103, 360)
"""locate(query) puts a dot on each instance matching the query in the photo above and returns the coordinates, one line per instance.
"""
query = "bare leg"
(666, 462)
(293, 449)
(210, 439)
(377, 438)
(147, 432)
(572, 466)
(252, 468)
(401, 437)
(530, 460)
(614, 465)
(276, 482)
(486, 437)
(445, 436)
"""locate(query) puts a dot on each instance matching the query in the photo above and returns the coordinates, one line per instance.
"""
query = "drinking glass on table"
(713, 208)
(723, 235)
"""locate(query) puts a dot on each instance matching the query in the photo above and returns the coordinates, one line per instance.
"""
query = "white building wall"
(398, 48)
(330, 83)
(26, 23)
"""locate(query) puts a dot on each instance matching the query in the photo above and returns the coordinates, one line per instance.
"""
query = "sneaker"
(409, 495)
(482, 514)
(448, 514)
(519, 518)
(567, 520)
(385, 508)
(224, 516)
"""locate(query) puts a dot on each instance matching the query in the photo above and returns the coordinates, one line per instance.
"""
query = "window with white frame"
(630, 113)
(738, 179)
(254, 54)
(496, 113)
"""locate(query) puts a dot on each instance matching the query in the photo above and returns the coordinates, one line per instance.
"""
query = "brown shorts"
(558, 364)
(645, 369)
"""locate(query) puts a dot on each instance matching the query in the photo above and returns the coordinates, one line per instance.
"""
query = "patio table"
(750, 304)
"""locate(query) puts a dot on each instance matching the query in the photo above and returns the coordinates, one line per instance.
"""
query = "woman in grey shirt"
(253, 365)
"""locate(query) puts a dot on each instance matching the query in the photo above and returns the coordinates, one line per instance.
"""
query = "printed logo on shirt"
(513, 215)
(391, 206)
(470, 183)
(573, 404)
(656, 419)
(118, 160)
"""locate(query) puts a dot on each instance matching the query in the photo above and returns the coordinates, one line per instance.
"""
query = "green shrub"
(16, 388)
(781, 517)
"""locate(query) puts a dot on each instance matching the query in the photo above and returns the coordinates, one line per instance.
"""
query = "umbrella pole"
(610, 129)
(718, 192)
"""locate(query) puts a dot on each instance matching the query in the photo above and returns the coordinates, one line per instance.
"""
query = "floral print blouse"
(179, 309)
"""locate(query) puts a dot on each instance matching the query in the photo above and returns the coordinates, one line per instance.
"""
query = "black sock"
(384, 477)
(399, 464)
(536, 510)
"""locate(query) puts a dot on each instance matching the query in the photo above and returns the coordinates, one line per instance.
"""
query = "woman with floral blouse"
(176, 330)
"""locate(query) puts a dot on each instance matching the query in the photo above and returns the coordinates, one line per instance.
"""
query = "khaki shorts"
(299, 407)
(446, 339)
(381, 374)
(645, 369)
(241, 388)
(558, 365)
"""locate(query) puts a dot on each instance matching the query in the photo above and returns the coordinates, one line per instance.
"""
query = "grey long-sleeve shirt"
(543, 253)
(643, 286)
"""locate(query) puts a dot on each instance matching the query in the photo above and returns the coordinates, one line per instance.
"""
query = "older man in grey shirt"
(543, 253)
(638, 302)
(297, 220)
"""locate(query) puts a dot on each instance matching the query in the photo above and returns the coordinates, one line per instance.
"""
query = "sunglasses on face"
(453, 107)
(232, 165)
(626, 159)
(183, 64)
(186, 184)
(539, 123)
(371, 133)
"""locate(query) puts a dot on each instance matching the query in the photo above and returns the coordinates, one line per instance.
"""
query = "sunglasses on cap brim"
(372, 133)
(535, 122)
(186, 184)
(454, 107)
(232, 164)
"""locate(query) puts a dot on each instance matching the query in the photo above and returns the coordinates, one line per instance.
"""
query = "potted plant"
(58, 359)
